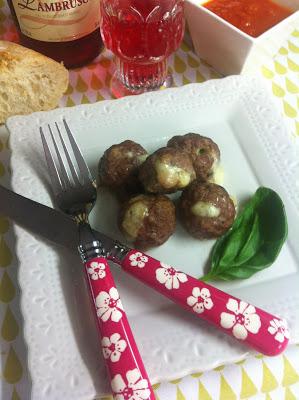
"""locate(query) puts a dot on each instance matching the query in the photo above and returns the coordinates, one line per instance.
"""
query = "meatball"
(166, 171)
(206, 210)
(118, 167)
(147, 220)
(204, 153)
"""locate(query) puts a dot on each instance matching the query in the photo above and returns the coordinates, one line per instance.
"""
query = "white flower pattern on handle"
(242, 320)
(109, 305)
(138, 259)
(96, 270)
(113, 347)
(135, 389)
(200, 300)
(170, 277)
(278, 327)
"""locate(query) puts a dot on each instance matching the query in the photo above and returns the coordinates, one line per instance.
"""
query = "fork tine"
(67, 155)
(78, 155)
(64, 177)
(54, 176)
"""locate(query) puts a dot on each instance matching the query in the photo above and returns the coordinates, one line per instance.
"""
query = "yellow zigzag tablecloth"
(257, 377)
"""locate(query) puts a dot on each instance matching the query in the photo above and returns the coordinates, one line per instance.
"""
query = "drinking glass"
(142, 34)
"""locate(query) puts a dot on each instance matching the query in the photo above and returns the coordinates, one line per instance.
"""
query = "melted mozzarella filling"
(171, 175)
(204, 209)
(133, 219)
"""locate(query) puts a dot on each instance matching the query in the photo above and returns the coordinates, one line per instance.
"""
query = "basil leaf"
(254, 240)
(238, 240)
(252, 244)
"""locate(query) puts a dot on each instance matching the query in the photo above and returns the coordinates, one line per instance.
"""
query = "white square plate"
(237, 113)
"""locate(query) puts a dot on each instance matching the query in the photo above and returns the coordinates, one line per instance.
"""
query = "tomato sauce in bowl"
(253, 17)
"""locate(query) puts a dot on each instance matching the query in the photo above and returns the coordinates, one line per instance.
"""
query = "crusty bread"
(29, 81)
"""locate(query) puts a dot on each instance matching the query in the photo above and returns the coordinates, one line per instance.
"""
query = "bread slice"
(29, 81)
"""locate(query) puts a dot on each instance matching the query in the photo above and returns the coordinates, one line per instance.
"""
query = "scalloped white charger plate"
(256, 149)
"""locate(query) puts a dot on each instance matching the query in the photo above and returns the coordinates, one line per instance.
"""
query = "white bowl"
(227, 48)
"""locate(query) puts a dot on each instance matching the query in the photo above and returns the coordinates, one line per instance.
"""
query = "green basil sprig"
(254, 240)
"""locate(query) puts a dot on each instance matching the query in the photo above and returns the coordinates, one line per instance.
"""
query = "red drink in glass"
(142, 34)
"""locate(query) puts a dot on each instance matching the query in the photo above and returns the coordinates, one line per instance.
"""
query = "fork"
(75, 194)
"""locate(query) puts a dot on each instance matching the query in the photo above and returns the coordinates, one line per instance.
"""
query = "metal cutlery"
(75, 194)
(247, 323)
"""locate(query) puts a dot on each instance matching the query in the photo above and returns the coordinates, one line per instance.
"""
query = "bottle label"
(57, 21)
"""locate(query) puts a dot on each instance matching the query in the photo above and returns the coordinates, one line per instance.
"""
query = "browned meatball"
(166, 171)
(204, 153)
(206, 210)
(118, 167)
(148, 220)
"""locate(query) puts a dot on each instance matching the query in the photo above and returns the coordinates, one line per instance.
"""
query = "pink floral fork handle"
(259, 329)
(128, 377)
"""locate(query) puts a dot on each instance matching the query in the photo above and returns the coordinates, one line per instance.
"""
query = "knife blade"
(44, 221)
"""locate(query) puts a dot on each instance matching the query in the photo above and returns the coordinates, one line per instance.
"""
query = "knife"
(44, 221)
(249, 324)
